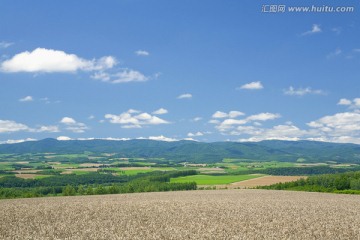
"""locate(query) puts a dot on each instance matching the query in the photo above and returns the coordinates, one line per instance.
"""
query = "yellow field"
(222, 214)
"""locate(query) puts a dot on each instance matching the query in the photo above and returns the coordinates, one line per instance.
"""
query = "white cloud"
(356, 102)
(47, 129)
(50, 61)
(219, 114)
(105, 63)
(196, 119)
(4, 44)
(315, 29)
(352, 104)
(26, 99)
(197, 134)
(124, 76)
(185, 96)
(10, 141)
(340, 127)
(63, 138)
(263, 117)
(252, 86)
(160, 111)
(129, 75)
(302, 91)
(142, 53)
(7, 126)
(279, 132)
(344, 101)
(134, 119)
(68, 120)
(230, 123)
(214, 121)
(231, 114)
(162, 138)
(73, 125)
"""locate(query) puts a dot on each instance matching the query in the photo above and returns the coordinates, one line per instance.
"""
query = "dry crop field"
(264, 181)
(222, 214)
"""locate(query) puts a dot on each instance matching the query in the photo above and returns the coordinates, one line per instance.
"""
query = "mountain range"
(191, 151)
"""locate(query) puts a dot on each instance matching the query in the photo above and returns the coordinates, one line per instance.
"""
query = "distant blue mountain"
(192, 151)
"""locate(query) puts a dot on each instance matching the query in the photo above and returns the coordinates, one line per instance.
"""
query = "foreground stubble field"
(220, 214)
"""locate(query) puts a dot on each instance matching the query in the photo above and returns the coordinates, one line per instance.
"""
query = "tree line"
(348, 182)
(93, 184)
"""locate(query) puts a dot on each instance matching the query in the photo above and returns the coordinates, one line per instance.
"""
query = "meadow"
(214, 180)
(221, 214)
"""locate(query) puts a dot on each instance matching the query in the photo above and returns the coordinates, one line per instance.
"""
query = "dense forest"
(348, 182)
(93, 183)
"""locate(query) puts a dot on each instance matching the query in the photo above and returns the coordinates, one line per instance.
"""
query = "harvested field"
(134, 168)
(26, 175)
(28, 171)
(83, 169)
(211, 170)
(91, 164)
(264, 181)
(222, 214)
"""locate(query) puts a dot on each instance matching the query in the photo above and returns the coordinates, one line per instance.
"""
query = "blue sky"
(166, 70)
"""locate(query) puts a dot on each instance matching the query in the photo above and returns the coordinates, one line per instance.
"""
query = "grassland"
(227, 214)
(213, 180)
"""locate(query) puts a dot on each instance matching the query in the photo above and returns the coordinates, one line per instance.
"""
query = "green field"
(213, 180)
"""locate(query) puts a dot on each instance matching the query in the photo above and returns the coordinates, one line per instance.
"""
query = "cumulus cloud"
(11, 141)
(134, 119)
(197, 134)
(142, 53)
(26, 99)
(263, 117)
(315, 29)
(231, 114)
(162, 138)
(230, 122)
(63, 138)
(7, 126)
(160, 111)
(344, 101)
(352, 104)
(123, 76)
(72, 125)
(68, 120)
(340, 127)
(185, 96)
(252, 86)
(4, 44)
(50, 128)
(51, 61)
(278, 132)
(303, 91)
